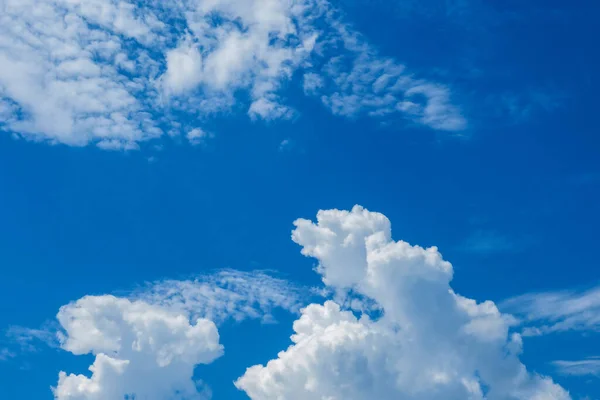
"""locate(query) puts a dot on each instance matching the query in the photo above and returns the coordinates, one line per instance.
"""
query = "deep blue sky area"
(512, 201)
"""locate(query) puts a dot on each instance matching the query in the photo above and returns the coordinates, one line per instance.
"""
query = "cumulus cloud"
(558, 311)
(417, 339)
(146, 345)
(140, 350)
(119, 73)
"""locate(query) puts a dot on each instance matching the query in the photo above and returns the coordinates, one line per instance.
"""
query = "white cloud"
(560, 311)
(184, 68)
(423, 340)
(226, 294)
(269, 110)
(358, 81)
(312, 83)
(6, 354)
(147, 344)
(115, 73)
(140, 349)
(437, 110)
(18, 340)
(59, 74)
(587, 367)
(197, 136)
(28, 338)
(286, 145)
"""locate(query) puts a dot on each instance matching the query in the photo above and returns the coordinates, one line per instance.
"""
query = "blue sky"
(147, 149)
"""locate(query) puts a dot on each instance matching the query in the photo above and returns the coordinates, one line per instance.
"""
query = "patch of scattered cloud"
(117, 74)
(227, 294)
(425, 341)
(312, 83)
(358, 81)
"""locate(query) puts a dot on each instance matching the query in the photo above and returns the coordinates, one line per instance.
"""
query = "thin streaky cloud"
(587, 367)
(559, 311)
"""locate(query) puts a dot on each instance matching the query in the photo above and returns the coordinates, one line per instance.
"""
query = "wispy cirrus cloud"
(559, 311)
(587, 367)
(120, 73)
(226, 294)
(29, 339)
(6, 354)
(17, 341)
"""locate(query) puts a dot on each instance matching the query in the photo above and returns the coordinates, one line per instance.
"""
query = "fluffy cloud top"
(146, 346)
(422, 341)
(141, 350)
(119, 72)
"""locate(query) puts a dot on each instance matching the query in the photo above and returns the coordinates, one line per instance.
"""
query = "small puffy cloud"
(184, 68)
(286, 145)
(197, 136)
(269, 110)
(140, 350)
(415, 339)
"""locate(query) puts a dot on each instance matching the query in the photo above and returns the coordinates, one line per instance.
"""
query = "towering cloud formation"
(406, 333)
